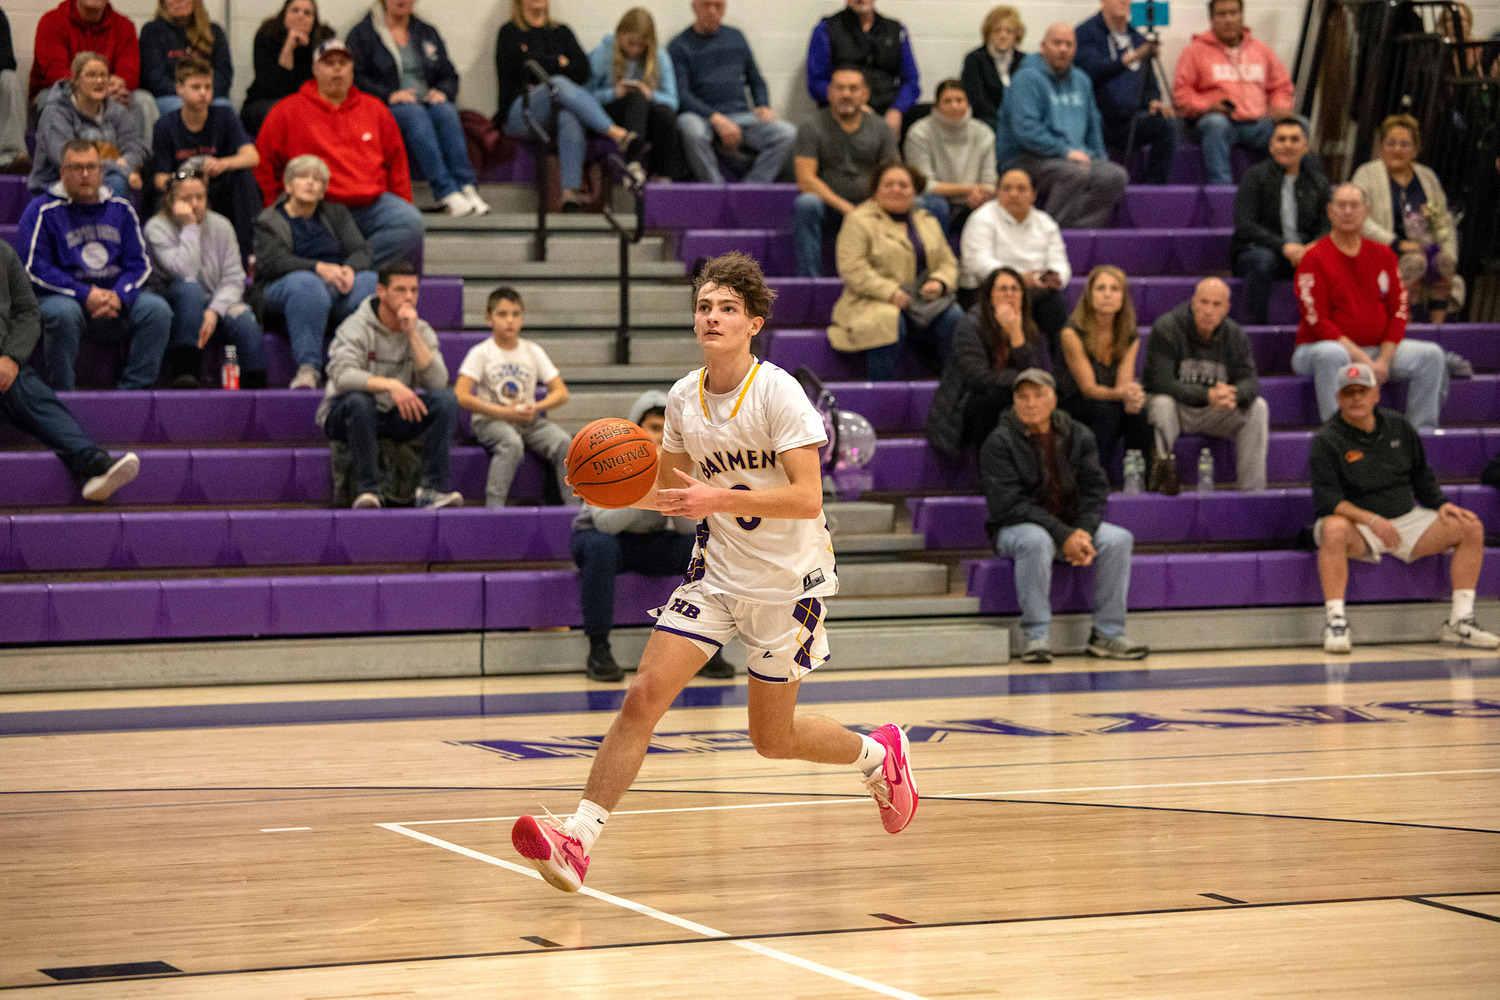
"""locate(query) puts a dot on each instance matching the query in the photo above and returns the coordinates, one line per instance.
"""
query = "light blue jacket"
(602, 73)
(1048, 116)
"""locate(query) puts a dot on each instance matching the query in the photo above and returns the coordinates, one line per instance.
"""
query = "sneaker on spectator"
(102, 487)
(1037, 651)
(891, 784)
(1336, 635)
(481, 207)
(435, 499)
(367, 501)
(306, 378)
(1468, 633)
(558, 857)
(457, 205)
(1109, 648)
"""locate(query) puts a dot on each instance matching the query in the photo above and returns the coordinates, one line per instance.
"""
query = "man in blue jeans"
(1046, 493)
(85, 254)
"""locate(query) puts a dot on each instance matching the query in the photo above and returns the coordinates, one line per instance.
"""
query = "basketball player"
(740, 456)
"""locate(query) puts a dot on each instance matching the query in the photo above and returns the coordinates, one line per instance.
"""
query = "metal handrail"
(543, 134)
(630, 177)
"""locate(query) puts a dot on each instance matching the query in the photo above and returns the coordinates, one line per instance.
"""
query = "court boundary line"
(1455, 909)
(881, 928)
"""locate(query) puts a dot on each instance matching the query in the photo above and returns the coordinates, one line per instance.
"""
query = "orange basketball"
(611, 463)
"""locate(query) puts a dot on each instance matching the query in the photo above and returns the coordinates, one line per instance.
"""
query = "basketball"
(611, 463)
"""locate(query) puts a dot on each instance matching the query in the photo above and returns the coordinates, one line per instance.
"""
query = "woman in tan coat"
(899, 275)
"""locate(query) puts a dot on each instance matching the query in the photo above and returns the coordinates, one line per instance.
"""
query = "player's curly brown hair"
(741, 274)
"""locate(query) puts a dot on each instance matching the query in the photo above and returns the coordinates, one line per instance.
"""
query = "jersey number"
(748, 523)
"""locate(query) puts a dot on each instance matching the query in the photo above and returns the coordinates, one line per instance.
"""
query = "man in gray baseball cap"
(1046, 493)
(1374, 493)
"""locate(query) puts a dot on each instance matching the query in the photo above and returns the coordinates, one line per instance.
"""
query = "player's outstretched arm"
(800, 499)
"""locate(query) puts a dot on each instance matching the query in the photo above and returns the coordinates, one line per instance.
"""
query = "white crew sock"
(1463, 605)
(871, 755)
(587, 823)
(1334, 608)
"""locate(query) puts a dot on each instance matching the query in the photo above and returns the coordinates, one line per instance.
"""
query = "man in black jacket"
(28, 403)
(1201, 377)
(878, 46)
(1374, 493)
(1280, 209)
(1046, 494)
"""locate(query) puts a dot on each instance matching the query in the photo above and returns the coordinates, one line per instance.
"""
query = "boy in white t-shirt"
(762, 567)
(497, 383)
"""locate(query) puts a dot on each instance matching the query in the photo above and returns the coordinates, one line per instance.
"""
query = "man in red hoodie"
(75, 26)
(1232, 87)
(358, 138)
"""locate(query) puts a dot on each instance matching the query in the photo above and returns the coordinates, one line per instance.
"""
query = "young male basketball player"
(740, 456)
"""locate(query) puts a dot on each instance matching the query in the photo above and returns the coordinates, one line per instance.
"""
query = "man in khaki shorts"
(1375, 494)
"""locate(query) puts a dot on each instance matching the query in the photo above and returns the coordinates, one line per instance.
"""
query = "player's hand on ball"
(696, 500)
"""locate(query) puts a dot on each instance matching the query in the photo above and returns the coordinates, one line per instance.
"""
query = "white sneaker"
(367, 501)
(457, 205)
(481, 207)
(1468, 633)
(306, 378)
(102, 487)
(435, 500)
(1336, 635)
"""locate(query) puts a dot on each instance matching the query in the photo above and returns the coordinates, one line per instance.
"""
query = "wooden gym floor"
(1269, 823)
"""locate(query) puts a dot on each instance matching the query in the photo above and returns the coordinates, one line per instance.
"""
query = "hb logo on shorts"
(685, 608)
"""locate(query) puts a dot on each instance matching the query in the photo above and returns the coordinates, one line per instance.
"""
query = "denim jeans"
(771, 141)
(1419, 363)
(355, 420)
(508, 443)
(811, 221)
(34, 408)
(434, 137)
(391, 226)
(937, 336)
(1217, 134)
(601, 557)
(146, 324)
(1034, 552)
(578, 110)
(308, 303)
(1260, 267)
(189, 300)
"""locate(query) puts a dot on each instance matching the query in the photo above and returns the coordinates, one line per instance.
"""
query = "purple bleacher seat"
(37, 478)
(23, 613)
(279, 365)
(1080, 246)
(110, 416)
(441, 301)
(14, 197)
(286, 415)
(243, 475)
(793, 302)
(1272, 347)
(1211, 579)
(1283, 307)
(1478, 342)
(394, 536)
(1455, 453)
(175, 538)
(60, 542)
(791, 349)
(455, 345)
(1159, 206)
(215, 608)
(678, 206)
(486, 534)
(1218, 206)
(1286, 457)
(698, 243)
(311, 605)
(281, 537)
(8, 563)
(1152, 517)
(1200, 251)
(1143, 252)
(114, 611)
(311, 480)
(889, 406)
(430, 602)
(950, 522)
(202, 415)
(1288, 577)
(909, 464)
(526, 599)
(748, 206)
(554, 533)
(1394, 580)
(1290, 399)
(1232, 516)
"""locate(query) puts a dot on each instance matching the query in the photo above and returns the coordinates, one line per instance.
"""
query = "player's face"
(721, 323)
(655, 428)
(506, 319)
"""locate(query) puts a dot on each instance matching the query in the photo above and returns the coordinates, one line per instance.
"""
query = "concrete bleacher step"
(565, 304)
(858, 517)
(892, 579)
(484, 253)
(602, 268)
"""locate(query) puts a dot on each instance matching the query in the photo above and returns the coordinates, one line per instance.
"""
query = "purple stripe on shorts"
(768, 680)
(689, 635)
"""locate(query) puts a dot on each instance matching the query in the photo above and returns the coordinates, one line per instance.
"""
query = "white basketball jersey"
(735, 441)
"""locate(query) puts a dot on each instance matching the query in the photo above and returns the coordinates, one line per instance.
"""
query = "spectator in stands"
(207, 138)
(1099, 347)
(401, 59)
(632, 77)
(27, 402)
(1280, 209)
(1050, 127)
(532, 37)
(834, 156)
(1232, 88)
(380, 356)
(995, 341)
(81, 108)
(283, 55)
(1409, 213)
(311, 264)
(180, 29)
(607, 543)
(899, 274)
(988, 69)
(1354, 311)
(357, 138)
(497, 383)
(714, 68)
(1009, 232)
(199, 273)
(1045, 491)
(1200, 377)
(955, 151)
(1112, 53)
(75, 26)
(87, 258)
(13, 156)
(1374, 493)
(879, 46)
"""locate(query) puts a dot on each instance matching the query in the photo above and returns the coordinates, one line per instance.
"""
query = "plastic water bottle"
(1135, 471)
(1205, 471)
(229, 372)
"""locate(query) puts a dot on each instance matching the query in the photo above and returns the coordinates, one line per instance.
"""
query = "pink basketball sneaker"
(556, 855)
(892, 786)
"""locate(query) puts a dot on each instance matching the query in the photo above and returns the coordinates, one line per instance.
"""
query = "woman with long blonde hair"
(180, 28)
(1098, 386)
(631, 75)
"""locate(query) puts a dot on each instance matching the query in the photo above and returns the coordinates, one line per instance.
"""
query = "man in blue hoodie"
(1113, 54)
(85, 254)
(1050, 127)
